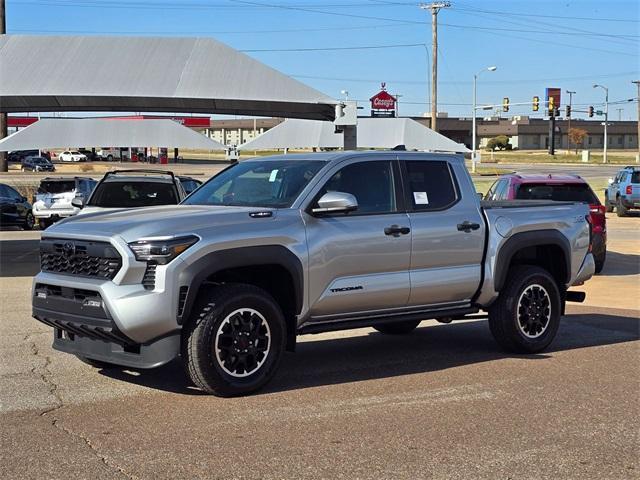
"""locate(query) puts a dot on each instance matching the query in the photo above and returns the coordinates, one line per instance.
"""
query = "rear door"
(447, 234)
(354, 264)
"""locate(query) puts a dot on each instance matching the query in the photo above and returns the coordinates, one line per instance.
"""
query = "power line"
(323, 49)
(537, 15)
(464, 82)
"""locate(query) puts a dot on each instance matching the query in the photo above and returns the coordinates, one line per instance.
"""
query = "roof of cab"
(336, 156)
(546, 178)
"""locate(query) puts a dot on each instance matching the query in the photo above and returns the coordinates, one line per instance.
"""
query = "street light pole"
(473, 117)
(637, 82)
(606, 119)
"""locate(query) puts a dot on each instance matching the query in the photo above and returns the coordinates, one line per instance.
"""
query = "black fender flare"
(522, 240)
(196, 274)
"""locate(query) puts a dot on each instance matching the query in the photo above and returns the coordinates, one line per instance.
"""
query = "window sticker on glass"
(420, 198)
(274, 174)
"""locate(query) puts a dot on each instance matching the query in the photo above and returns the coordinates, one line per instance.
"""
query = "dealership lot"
(443, 402)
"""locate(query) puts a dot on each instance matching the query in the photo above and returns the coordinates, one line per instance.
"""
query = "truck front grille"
(79, 257)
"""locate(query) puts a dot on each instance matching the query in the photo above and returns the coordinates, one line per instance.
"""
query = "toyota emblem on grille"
(69, 249)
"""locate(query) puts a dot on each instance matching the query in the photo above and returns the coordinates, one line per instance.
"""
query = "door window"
(372, 184)
(430, 185)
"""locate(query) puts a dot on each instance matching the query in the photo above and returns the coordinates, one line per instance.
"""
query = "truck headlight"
(161, 251)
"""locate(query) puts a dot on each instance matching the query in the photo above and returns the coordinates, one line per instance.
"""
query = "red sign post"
(383, 104)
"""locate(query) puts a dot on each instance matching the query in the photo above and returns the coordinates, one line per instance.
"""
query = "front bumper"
(121, 321)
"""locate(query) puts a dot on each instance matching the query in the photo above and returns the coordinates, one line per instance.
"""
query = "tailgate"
(56, 201)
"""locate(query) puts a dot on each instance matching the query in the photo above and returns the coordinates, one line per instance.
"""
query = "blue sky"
(534, 44)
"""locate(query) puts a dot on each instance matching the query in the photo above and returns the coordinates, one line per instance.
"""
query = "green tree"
(501, 142)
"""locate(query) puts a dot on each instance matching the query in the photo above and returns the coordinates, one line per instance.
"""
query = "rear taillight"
(599, 209)
(629, 190)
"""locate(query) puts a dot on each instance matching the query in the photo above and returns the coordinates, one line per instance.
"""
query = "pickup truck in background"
(272, 248)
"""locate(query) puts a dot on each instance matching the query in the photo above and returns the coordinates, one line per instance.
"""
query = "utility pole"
(569, 121)
(637, 82)
(435, 8)
(3, 116)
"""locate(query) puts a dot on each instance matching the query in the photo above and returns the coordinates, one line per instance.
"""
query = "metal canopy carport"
(372, 133)
(103, 73)
(98, 132)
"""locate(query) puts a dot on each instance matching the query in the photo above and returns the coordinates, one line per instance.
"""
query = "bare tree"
(577, 136)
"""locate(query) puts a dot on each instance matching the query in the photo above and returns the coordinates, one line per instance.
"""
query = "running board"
(361, 322)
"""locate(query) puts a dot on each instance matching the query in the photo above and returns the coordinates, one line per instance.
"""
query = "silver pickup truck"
(273, 248)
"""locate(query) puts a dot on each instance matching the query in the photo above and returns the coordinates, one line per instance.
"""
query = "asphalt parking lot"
(443, 402)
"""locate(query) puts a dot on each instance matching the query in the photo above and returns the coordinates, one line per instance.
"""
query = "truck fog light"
(92, 303)
(41, 295)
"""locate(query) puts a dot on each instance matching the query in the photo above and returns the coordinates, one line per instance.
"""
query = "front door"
(359, 262)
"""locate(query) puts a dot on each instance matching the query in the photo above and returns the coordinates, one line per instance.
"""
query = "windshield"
(574, 192)
(259, 183)
(75, 152)
(39, 160)
(57, 187)
(133, 194)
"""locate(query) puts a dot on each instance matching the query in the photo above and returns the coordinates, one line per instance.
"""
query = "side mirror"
(78, 202)
(336, 202)
(480, 195)
(610, 181)
(24, 199)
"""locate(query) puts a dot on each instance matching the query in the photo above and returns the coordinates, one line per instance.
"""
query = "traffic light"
(568, 111)
(536, 104)
(591, 111)
(552, 109)
(505, 104)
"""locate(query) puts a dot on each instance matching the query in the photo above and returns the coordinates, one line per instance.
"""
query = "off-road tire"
(96, 363)
(608, 206)
(503, 314)
(621, 210)
(199, 336)
(398, 328)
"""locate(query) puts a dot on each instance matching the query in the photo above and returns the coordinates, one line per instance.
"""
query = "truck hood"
(148, 222)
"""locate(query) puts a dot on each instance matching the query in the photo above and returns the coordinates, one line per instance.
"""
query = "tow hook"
(444, 319)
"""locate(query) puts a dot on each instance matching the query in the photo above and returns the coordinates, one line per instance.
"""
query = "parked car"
(572, 188)
(132, 189)
(37, 164)
(623, 192)
(88, 153)
(276, 247)
(54, 198)
(189, 184)
(15, 210)
(19, 155)
(72, 156)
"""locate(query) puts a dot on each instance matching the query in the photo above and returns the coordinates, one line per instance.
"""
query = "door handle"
(467, 226)
(396, 230)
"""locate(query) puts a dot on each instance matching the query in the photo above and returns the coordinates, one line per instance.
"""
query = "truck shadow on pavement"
(19, 258)
(376, 356)
(621, 264)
